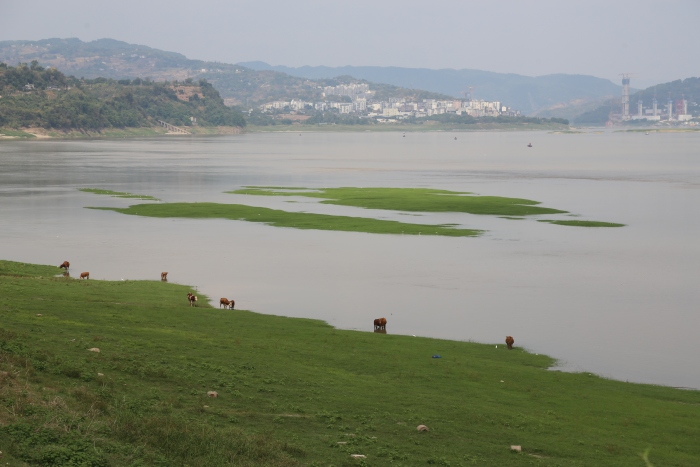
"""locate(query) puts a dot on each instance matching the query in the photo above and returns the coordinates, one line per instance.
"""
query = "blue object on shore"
(436, 356)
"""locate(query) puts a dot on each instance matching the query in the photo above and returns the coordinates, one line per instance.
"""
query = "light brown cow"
(85, 275)
(225, 302)
(65, 265)
(164, 276)
(510, 341)
(380, 323)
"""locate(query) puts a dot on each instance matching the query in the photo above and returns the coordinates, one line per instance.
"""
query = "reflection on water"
(618, 302)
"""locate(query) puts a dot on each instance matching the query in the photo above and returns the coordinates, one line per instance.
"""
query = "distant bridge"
(173, 128)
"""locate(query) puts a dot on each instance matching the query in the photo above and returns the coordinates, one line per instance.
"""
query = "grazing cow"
(192, 299)
(380, 323)
(510, 341)
(225, 302)
(65, 265)
(85, 275)
(164, 276)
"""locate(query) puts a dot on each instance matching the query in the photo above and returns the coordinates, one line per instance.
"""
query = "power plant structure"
(675, 110)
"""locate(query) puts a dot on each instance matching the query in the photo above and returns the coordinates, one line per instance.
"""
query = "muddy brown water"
(619, 302)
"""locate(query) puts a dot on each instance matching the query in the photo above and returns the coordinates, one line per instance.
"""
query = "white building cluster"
(352, 90)
(395, 108)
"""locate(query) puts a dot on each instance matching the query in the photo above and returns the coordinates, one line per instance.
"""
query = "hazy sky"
(657, 39)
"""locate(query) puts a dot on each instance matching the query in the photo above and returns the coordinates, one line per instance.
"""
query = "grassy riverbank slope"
(293, 391)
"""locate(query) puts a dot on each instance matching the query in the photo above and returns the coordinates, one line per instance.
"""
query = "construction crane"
(626, 95)
(471, 93)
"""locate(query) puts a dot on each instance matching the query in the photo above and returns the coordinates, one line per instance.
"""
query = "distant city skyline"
(653, 39)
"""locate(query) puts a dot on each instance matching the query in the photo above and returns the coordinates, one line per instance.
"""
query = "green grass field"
(297, 220)
(117, 194)
(410, 199)
(294, 391)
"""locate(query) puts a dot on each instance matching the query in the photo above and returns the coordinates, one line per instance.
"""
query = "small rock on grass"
(358, 456)
(422, 428)
(213, 394)
(94, 349)
(516, 448)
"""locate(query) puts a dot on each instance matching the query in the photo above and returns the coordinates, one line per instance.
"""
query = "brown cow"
(192, 299)
(510, 341)
(85, 275)
(225, 302)
(164, 276)
(231, 304)
(380, 323)
(65, 265)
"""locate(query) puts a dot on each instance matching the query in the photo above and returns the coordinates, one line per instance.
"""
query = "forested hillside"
(33, 96)
(118, 60)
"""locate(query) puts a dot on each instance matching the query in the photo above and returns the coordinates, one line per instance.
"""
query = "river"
(623, 303)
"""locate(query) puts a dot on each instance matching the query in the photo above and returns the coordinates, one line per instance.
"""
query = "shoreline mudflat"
(156, 131)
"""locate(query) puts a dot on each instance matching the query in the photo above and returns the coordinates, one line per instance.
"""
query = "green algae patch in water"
(583, 223)
(117, 194)
(297, 220)
(411, 199)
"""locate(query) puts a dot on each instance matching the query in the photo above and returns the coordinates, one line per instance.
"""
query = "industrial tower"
(626, 95)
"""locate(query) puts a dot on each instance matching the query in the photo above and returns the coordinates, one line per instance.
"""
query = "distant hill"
(33, 96)
(688, 89)
(238, 85)
(528, 94)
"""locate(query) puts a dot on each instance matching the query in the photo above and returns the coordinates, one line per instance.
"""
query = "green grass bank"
(293, 391)
(10, 134)
(404, 127)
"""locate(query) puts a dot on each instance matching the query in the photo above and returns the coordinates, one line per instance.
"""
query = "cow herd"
(379, 323)
(191, 298)
(66, 265)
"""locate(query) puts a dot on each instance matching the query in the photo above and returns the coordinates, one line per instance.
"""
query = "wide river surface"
(620, 302)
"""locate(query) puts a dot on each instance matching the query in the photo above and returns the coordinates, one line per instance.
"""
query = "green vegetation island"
(39, 102)
(126, 373)
(402, 200)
